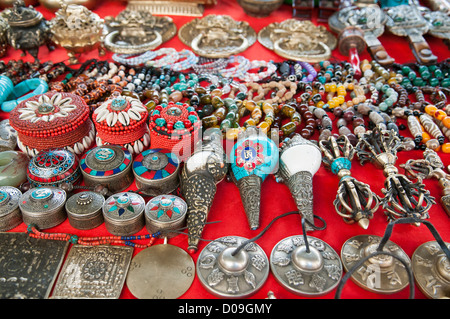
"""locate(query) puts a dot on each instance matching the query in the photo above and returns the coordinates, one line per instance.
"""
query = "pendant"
(93, 272)
(382, 274)
(306, 270)
(160, 272)
(431, 268)
(227, 272)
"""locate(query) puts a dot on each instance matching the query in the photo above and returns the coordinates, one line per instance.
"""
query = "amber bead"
(445, 148)
(306, 133)
(220, 113)
(210, 121)
(288, 110)
(446, 121)
(288, 128)
(217, 102)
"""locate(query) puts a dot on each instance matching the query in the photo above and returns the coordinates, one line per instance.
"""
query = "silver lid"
(85, 204)
(165, 212)
(42, 200)
(9, 200)
(103, 162)
(123, 208)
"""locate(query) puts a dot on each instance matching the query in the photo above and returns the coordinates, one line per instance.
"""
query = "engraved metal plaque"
(227, 274)
(306, 273)
(97, 272)
(380, 274)
(160, 272)
(431, 269)
(28, 266)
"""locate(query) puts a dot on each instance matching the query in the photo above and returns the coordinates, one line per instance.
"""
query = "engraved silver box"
(109, 166)
(10, 215)
(43, 207)
(165, 213)
(84, 210)
(124, 213)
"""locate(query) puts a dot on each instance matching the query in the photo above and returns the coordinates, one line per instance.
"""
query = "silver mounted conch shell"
(403, 198)
(355, 202)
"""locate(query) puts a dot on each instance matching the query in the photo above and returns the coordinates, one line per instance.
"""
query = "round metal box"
(84, 210)
(109, 166)
(124, 214)
(53, 168)
(10, 215)
(43, 207)
(164, 213)
(156, 172)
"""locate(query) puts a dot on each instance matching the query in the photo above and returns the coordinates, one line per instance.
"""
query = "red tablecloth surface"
(276, 198)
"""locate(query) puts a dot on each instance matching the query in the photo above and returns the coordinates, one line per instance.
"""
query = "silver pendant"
(431, 269)
(156, 172)
(97, 272)
(382, 274)
(109, 166)
(84, 210)
(124, 213)
(10, 215)
(227, 274)
(29, 266)
(160, 272)
(306, 270)
(165, 213)
(43, 207)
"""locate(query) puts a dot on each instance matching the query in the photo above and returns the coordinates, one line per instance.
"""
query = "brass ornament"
(133, 31)
(402, 197)
(430, 167)
(306, 269)
(406, 21)
(78, 30)
(228, 270)
(3, 36)
(431, 268)
(381, 273)
(189, 8)
(160, 272)
(355, 202)
(298, 40)
(217, 36)
(54, 5)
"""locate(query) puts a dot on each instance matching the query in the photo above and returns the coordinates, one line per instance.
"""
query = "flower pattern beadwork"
(47, 108)
(249, 155)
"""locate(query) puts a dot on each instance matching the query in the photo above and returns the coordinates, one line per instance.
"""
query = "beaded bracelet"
(256, 77)
(132, 59)
(237, 71)
(206, 65)
(190, 59)
(169, 57)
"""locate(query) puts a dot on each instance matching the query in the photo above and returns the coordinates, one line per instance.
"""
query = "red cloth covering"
(276, 198)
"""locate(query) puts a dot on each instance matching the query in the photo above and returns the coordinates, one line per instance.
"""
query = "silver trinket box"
(165, 213)
(124, 213)
(109, 166)
(10, 215)
(84, 210)
(43, 207)
(156, 172)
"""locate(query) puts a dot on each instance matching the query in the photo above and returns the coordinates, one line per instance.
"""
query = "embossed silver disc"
(227, 274)
(306, 273)
(160, 272)
(382, 274)
(431, 269)
(93, 272)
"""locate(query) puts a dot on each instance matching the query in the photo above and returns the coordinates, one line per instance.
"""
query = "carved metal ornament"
(3, 36)
(253, 158)
(29, 266)
(407, 21)
(78, 30)
(93, 272)
(431, 268)
(160, 272)
(381, 273)
(227, 272)
(403, 198)
(430, 166)
(202, 171)
(355, 202)
(300, 159)
(84, 210)
(28, 29)
(439, 23)
(312, 269)
(371, 20)
(217, 36)
(134, 31)
(190, 8)
(298, 40)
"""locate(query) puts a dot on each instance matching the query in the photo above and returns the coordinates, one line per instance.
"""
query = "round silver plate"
(160, 272)
(229, 275)
(306, 273)
(431, 269)
(382, 274)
